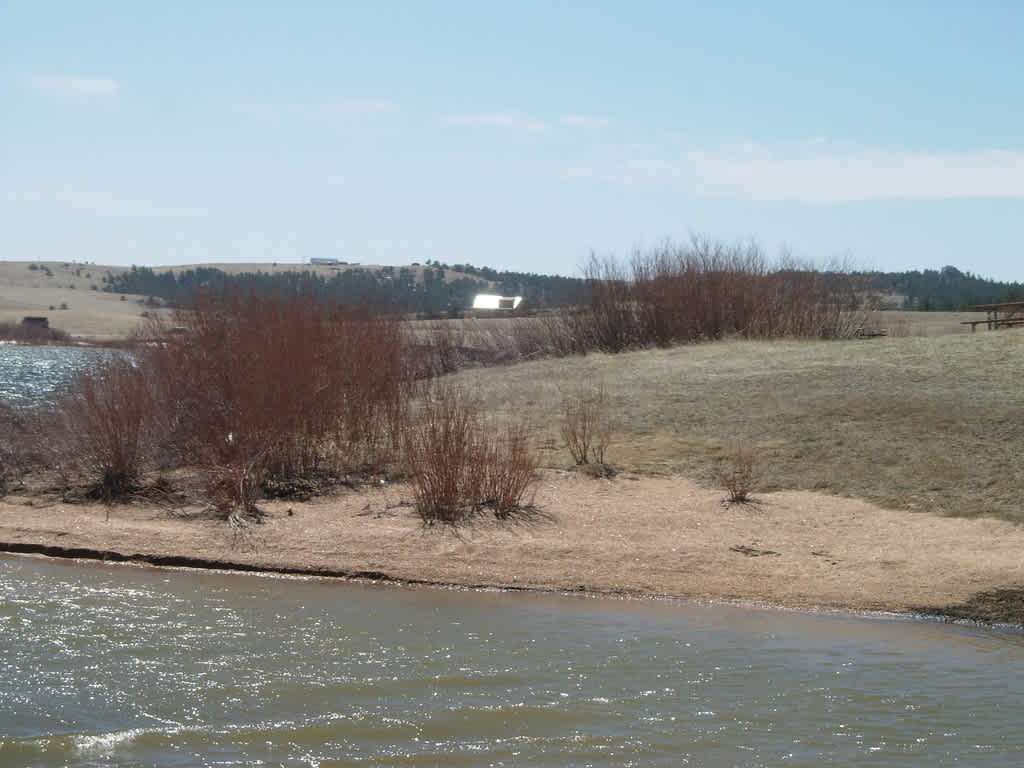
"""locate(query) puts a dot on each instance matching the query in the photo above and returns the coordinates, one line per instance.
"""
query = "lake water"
(105, 665)
(31, 375)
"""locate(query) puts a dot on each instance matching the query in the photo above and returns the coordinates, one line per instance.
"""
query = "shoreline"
(184, 563)
(632, 537)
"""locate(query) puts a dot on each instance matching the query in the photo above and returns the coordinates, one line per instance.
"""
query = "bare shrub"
(738, 473)
(445, 341)
(12, 446)
(105, 416)
(461, 465)
(587, 425)
(441, 448)
(233, 489)
(509, 469)
(710, 290)
(562, 335)
(287, 392)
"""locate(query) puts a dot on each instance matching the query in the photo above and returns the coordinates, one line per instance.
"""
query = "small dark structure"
(42, 323)
(1003, 315)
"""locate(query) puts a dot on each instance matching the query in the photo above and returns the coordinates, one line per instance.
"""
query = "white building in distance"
(497, 303)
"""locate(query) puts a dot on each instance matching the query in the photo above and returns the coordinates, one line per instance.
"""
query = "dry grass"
(920, 423)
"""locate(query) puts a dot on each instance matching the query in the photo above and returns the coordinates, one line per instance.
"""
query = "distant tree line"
(390, 289)
(401, 289)
(947, 289)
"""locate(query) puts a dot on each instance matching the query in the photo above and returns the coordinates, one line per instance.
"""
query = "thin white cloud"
(74, 86)
(814, 171)
(585, 122)
(515, 121)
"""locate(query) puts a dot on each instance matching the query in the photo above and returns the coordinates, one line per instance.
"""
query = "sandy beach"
(633, 535)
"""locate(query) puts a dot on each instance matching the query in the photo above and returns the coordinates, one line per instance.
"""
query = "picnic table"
(1003, 315)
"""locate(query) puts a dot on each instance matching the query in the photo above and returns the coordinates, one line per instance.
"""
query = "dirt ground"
(643, 536)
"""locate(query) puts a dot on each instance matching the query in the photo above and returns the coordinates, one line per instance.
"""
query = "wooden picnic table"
(1006, 314)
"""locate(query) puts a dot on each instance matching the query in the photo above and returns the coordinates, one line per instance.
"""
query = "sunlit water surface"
(129, 666)
(33, 375)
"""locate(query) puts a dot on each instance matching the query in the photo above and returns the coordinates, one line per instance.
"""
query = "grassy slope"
(929, 423)
(91, 314)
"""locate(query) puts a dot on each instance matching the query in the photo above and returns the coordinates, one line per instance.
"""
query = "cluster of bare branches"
(463, 464)
(587, 424)
(709, 290)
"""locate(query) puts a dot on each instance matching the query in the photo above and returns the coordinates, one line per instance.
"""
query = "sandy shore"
(656, 536)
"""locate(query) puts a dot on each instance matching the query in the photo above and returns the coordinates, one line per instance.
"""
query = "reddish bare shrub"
(106, 418)
(441, 448)
(509, 469)
(461, 465)
(587, 425)
(709, 290)
(279, 392)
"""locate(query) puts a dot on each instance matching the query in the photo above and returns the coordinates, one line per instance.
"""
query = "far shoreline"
(634, 537)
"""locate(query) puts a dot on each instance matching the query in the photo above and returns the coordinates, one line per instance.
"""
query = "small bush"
(462, 466)
(442, 449)
(233, 489)
(738, 474)
(106, 417)
(509, 469)
(587, 425)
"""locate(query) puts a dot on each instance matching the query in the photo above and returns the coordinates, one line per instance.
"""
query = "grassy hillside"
(920, 423)
(64, 293)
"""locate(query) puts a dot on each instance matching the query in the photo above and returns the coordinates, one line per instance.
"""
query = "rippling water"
(32, 375)
(127, 666)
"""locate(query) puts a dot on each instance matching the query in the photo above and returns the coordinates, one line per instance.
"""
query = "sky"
(518, 135)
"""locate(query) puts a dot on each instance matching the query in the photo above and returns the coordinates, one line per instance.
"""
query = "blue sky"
(519, 135)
